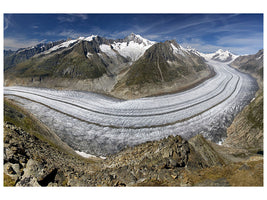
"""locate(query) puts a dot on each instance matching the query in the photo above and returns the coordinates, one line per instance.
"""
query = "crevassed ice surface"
(101, 125)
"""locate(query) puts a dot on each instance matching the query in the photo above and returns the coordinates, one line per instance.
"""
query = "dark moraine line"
(117, 115)
(142, 127)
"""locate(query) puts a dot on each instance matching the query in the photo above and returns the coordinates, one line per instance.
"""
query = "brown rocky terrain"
(33, 158)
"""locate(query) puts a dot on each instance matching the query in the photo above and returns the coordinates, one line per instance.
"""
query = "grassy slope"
(20, 117)
(71, 63)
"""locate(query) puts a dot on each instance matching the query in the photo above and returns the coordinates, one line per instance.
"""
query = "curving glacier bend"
(100, 125)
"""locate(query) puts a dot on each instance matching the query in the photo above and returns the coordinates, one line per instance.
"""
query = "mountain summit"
(138, 39)
(220, 55)
(132, 46)
(161, 65)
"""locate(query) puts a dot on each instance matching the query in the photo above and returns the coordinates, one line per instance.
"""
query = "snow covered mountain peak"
(138, 39)
(89, 38)
(220, 51)
(220, 55)
(177, 49)
(133, 46)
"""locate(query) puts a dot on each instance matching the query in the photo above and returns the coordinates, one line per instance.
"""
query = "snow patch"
(132, 49)
(176, 50)
(108, 50)
(259, 57)
(88, 55)
(62, 45)
(86, 155)
(145, 41)
(90, 38)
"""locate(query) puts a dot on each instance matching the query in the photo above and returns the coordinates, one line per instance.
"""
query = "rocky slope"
(34, 156)
(252, 64)
(246, 131)
(32, 159)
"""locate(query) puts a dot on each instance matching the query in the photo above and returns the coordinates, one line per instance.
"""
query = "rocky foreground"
(32, 158)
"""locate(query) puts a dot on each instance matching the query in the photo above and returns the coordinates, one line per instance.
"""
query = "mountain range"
(127, 68)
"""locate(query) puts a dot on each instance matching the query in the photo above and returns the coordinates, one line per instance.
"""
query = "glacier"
(100, 125)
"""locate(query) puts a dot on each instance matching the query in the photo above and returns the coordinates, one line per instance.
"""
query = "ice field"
(101, 125)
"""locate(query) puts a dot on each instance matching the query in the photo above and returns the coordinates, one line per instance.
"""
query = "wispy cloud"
(66, 33)
(72, 17)
(16, 43)
(237, 40)
(153, 36)
(35, 26)
(7, 21)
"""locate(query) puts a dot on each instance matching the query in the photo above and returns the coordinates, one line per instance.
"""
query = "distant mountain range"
(126, 66)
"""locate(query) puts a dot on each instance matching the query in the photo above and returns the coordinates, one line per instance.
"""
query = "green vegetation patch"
(17, 116)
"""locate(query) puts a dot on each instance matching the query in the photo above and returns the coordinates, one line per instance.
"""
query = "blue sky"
(239, 33)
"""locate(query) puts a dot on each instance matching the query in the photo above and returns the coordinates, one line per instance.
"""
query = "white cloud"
(7, 21)
(72, 17)
(82, 16)
(15, 43)
(153, 36)
(71, 33)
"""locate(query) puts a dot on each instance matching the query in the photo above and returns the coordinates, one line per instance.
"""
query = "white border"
(123, 6)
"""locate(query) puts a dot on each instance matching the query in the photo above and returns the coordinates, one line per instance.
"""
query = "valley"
(100, 125)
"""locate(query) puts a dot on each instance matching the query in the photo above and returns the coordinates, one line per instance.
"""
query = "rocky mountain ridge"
(12, 58)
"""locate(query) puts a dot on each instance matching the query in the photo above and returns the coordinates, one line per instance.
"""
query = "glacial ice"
(100, 125)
